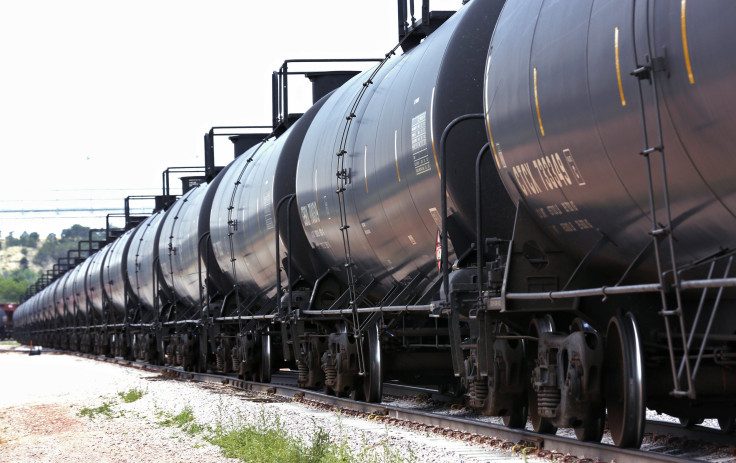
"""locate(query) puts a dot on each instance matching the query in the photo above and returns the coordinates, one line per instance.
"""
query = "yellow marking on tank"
(365, 167)
(396, 153)
(618, 69)
(536, 101)
(431, 134)
(488, 114)
(685, 49)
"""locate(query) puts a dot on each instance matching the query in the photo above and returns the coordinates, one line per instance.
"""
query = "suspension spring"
(303, 372)
(220, 360)
(180, 354)
(235, 354)
(548, 398)
(330, 374)
(479, 388)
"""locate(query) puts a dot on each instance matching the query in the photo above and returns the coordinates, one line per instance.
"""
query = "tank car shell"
(114, 272)
(60, 311)
(392, 197)
(142, 259)
(178, 246)
(247, 256)
(20, 317)
(78, 287)
(95, 285)
(46, 303)
(242, 219)
(564, 119)
(69, 294)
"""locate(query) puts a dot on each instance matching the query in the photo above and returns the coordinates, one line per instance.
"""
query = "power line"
(75, 209)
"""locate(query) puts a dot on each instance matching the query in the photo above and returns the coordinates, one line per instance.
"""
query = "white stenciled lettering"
(554, 210)
(573, 167)
(552, 171)
(525, 180)
(562, 175)
(569, 206)
(584, 224)
(568, 227)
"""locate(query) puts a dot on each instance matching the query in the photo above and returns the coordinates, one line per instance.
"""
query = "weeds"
(184, 420)
(268, 440)
(131, 395)
(104, 409)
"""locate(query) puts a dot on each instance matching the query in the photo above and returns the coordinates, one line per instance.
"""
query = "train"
(6, 320)
(531, 208)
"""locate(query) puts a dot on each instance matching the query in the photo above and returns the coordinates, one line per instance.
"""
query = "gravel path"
(41, 398)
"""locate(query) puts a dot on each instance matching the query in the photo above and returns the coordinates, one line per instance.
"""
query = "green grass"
(268, 441)
(9, 343)
(131, 395)
(104, 409)
(184, 420)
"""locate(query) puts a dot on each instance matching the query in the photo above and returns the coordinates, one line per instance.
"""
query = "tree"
(75, 232)
(54, 248)
(33, 239)
(14, 284)
(11, 240)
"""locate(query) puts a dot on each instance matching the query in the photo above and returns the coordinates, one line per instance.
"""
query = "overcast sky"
(97, 98)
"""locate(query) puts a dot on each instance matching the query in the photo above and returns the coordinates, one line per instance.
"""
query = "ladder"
(663, 231)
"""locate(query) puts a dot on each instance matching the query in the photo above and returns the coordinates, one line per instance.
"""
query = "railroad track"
(670, 442)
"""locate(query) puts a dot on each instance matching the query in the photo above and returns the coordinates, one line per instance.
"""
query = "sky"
(97, 97)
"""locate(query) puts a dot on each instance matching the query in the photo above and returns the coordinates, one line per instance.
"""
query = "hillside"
(10, 258)
(24, 259)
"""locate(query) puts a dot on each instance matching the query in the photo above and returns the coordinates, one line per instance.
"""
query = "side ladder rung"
(669, 313)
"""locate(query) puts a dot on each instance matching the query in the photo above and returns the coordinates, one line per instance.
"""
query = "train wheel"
(516, 419)
(727, 424)
(623, 374)
(690, 422)
(265, 366)
(373, 378)
(592, 429)
(539, 423)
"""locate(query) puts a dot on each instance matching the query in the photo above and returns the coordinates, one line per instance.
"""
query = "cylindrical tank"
(243, 210)
(392, 198)
(114, 273)
(178, 246)
(95, 285)
(80, 295)
(69, 296)
(217, 281)
(142, 260)
(60, 312)
(563, 116)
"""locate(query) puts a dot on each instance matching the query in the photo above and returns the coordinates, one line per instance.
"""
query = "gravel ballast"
(43, 397)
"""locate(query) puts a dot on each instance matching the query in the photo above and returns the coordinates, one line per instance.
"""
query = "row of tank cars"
(489, 212)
